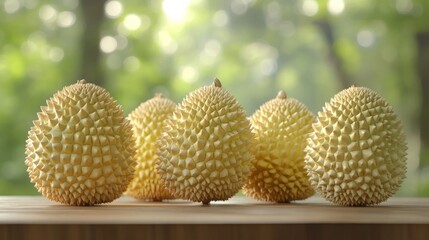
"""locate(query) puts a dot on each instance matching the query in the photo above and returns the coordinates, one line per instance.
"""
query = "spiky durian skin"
(204, 153)
(281, 127)
(148, 120)
(80, 150)
(356, 155)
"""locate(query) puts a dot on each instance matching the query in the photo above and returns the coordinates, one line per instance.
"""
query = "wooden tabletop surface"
(238, 210)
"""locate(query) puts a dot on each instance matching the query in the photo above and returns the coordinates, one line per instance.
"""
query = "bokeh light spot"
(175, 10)
(220, 18)
(113, 9)
(366, 38)
(189, 74)
(310, 7)
(131, 64)
(108, 44)
(11, 6)
(336, 7)
(48, 14)
(66, 19)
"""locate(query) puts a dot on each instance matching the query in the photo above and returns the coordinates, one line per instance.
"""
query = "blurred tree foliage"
(135, 48)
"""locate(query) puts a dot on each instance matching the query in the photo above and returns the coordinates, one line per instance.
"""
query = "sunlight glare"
(336, 7)
(175, 9)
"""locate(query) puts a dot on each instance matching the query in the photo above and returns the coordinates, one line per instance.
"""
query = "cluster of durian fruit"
(82, 150)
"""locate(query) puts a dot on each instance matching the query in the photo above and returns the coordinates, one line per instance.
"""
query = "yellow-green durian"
(80, 150)
(204, 153)
(148, 120)
(356, 155)
(281, 127)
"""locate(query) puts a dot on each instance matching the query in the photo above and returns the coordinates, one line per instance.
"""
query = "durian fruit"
(148, 120)
(205, 151)
(356, 155)
(80, 150)
(281, 127)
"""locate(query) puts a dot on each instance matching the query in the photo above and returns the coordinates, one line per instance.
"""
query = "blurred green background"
(135, 48)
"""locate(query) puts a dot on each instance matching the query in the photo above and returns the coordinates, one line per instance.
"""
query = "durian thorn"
(354, 85)
(281, 95)
(159, 95)
(82, 81)
(217, 83)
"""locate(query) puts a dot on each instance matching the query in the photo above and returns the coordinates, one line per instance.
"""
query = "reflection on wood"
(240, 217)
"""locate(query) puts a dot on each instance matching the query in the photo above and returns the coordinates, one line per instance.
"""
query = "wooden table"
(238, 218)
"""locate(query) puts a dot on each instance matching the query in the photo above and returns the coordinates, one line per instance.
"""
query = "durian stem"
(281, 95)
(217, 83)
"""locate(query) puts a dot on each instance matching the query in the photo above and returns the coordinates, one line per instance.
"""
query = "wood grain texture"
(216, 231)
(238, 218)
